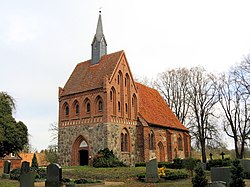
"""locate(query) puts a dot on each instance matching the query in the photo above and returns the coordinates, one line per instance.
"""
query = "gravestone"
(222, 155)
(245, 164)
(27, 177)
(6, 167)
(152, 171)
(54, 176)
(25, 168)
(221, 174)
(217, 184)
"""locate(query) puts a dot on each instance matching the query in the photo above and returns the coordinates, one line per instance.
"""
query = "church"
(101, 106)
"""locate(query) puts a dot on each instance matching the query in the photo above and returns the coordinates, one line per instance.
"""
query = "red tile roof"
(87, 77)
(154, 109)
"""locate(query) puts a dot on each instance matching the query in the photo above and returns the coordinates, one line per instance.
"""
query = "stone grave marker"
(221, 174)
(217, 184)
(152, 171)
(245, 164)
(54, 176)
(6, 167)
(25, 168)
(27, 177)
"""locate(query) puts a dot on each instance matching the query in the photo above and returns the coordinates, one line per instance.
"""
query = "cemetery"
(182, 172)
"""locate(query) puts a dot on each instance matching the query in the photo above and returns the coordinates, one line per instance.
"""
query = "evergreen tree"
(34, 163)
(237, 175)
(199, 179)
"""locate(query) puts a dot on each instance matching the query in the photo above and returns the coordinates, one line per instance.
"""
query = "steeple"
(99, 44)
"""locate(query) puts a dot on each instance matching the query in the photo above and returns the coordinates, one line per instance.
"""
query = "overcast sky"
(41, 41)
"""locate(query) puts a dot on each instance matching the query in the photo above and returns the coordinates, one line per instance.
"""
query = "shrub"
(34, 163)
(140, 164)
(199, 180)
(166, 165)
(190, 164)
(162, 171)
(237, 175)
(218, 163)
(15, 174)
(177, 163)
(106, 158)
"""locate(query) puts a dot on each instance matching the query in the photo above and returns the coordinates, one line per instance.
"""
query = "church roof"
(88, 77)
(154, 109)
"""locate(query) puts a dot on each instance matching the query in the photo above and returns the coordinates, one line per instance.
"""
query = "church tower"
(99, 44)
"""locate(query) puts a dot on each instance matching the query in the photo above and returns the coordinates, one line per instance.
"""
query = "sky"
(41, 41)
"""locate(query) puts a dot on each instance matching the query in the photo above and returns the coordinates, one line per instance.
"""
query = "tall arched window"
(119, 106)
(87, 106)
(113, 100)
(111, 96)
(125, 140)
(151, 141)
(180, 146)
(66, 109)
(76, 107)
(98, 104)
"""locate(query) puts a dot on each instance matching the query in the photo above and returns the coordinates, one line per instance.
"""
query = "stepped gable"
(154, 109)
(88, 77)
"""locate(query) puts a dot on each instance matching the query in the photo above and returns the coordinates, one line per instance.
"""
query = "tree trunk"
(203, 151)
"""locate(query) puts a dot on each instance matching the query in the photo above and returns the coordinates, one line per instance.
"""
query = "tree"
(235, 103)
(203, 98)
(34, 163)
(173, 86)
(13, 135)
(237, 175)
(51, 154)
(199, 180)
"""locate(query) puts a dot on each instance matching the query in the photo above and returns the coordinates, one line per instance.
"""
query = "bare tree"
(203, 98)
(235, 103)
(173, 85)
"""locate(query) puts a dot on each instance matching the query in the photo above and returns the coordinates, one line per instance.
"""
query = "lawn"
(127, 175)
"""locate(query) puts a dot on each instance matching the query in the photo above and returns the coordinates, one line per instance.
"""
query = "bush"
(34, 163)
(218, 163)
(199, 179)
(177, 163)
(140, 164)
(106, 158)
(190, 164)
(178, 174)
(166, 165)
(15, 174)
(237, 175)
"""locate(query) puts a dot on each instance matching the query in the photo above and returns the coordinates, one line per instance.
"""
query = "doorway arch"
(80, 152)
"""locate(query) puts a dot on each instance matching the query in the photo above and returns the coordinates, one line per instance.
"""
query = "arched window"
(76, 107)
(180, 146)
(119, 106)
(66, 109)
(126, 107)
(88, 107)
(100, 106)
(111, 96)
(151, 141)
(124, 141)
(118, 79)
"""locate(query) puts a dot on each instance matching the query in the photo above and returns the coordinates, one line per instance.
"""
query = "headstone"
(217, 184)
(245, 164)
(222, 155)
(54, 176)
(221, 174)
(152, 171)
(6, 167)
(25, 168)
(27, 178)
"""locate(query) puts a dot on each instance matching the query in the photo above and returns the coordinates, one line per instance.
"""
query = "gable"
(154, 109)
(88, 77)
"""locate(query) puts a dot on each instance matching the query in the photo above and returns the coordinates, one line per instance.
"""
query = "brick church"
(101, 106)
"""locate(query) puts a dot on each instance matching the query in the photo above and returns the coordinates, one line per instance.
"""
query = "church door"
(83, 155)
